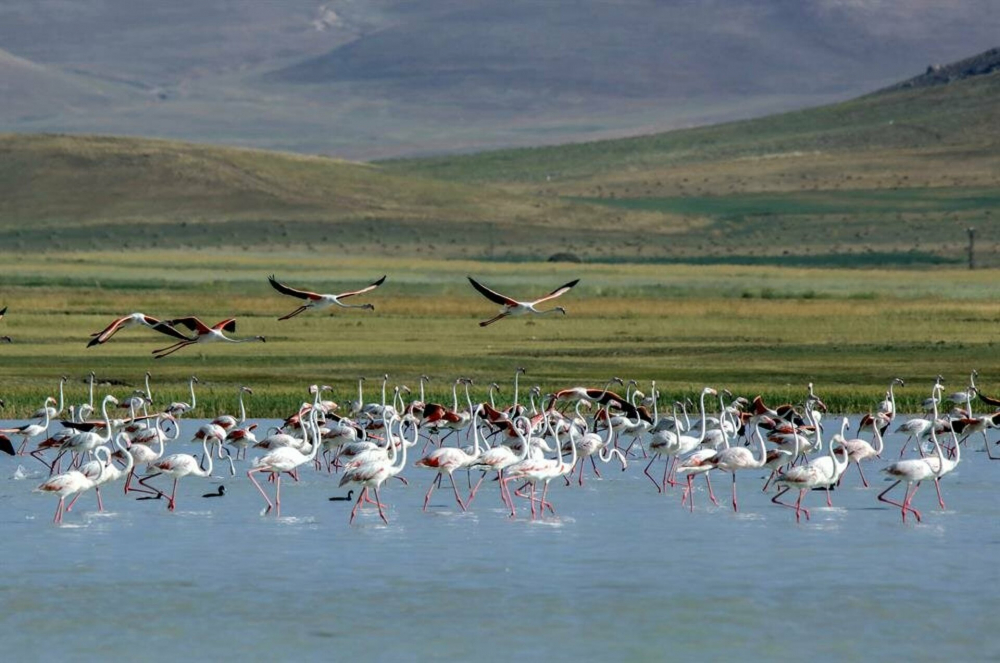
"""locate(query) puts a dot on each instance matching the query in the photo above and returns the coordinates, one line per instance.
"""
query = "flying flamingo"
(177, 466)
(319, 302)
(204, 334)
(512, 307)
(135, 320)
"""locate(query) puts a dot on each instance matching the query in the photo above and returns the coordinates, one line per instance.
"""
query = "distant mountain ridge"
(980, 64)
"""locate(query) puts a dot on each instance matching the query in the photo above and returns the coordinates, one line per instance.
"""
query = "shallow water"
(621, 573)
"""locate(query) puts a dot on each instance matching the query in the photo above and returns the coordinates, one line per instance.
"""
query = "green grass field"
(751, 329)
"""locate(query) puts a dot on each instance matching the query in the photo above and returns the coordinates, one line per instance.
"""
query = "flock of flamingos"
(523, 447)
(557, 437)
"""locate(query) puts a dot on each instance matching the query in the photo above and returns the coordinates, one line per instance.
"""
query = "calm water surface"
(621, 573)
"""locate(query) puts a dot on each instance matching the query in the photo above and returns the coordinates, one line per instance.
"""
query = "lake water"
(621, 574)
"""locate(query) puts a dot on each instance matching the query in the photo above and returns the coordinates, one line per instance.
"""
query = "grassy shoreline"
(751, 329)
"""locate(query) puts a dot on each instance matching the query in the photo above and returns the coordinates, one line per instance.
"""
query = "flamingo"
(64, 485)
(685, 444)
(135, 320)
(534, 470)
(373, 474)
(141, 450)
(590, 444)
(178, 466)
(941, 465)
(103, 471)
(512, 307)
(54, 412)
(204, 334)
(913, 471)
(227, 421)
(319, 302)
(179, 408)
(86, 441)
(445, 460)
(699, 461)
(499, 458)
(285, 459)
(818, 473)
(28, 431)
(733, 459)
(84, 410)
(859, 450)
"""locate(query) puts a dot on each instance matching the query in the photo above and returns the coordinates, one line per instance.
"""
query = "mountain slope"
(86, 192)
(394, 77)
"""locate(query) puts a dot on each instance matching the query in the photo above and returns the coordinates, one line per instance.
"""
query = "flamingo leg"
(646, 472)
(455, 488)
(798, 505)
(171, 505)
(864, 481)
(594, 464)
(937, 486)
(69, 507)
(277, 496)
(427, 497)
(378, 501)
(472, 495)
(711, 495)
(736, 506)
(294, 313)
(357, 505)
(267, 499)
(545, 503)
(58, 518)
(154, 490)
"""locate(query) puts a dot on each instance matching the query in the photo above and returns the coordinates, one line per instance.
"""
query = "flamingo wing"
(228, 325)
(7, 446)
(367, 288)
(3, 311)
(106, 333)
(165, 327)
(293, 292)
(558, 292)
(191, 322)
(492, 295)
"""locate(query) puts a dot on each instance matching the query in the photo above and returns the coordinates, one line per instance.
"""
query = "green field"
(750, 329)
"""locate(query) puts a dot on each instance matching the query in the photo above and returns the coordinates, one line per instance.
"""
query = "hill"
(893, 177)
(90, 192)
(390, 77)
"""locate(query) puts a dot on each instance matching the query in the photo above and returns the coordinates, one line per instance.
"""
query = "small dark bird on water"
(219, 493)
(350, 496)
